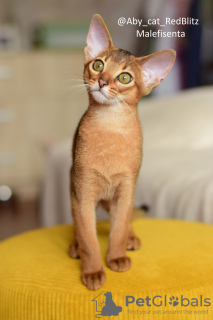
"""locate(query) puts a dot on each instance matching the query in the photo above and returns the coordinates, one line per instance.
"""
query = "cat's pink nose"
(102, 83)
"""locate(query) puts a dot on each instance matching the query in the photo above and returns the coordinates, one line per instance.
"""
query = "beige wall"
(28, 13)
(41, 112)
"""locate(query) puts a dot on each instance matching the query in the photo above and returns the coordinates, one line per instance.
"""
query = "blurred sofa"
(176, 177)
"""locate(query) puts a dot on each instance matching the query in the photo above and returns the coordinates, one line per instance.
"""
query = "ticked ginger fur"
(107, 150)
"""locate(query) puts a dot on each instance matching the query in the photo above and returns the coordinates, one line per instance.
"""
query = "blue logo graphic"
(174, 301)
(105, 306)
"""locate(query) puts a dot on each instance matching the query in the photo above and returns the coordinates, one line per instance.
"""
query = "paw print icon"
(174, 301)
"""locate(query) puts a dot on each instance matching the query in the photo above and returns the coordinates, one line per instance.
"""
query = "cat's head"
(108, 294)
(116, 75)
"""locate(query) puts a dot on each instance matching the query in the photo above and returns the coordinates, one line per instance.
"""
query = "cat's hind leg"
(133, 242)
(74, 249)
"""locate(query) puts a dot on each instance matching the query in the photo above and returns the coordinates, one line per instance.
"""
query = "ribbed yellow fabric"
(39, 281)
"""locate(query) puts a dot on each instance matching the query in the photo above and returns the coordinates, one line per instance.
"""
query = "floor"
(17, 216)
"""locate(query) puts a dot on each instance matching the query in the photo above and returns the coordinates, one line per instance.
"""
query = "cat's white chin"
(100, 97)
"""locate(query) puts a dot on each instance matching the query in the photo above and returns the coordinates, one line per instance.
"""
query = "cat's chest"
(111, 148)
(108, 144)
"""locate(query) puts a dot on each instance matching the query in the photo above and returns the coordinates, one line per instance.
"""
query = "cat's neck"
(115, 116)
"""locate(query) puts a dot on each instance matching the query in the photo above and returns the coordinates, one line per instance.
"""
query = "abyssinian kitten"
(107, 149)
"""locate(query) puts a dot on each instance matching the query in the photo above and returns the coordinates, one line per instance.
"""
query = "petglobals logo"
(105, 306)
(159, 301)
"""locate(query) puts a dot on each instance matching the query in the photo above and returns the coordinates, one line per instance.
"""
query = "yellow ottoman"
(171, 276)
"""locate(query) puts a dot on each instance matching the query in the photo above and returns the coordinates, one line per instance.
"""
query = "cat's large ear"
(98, 38)
(155, 68)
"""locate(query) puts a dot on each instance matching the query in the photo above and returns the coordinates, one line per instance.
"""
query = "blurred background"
(41, 58)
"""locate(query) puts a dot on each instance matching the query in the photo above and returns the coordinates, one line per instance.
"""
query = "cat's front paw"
(120, 264)
(95, 280)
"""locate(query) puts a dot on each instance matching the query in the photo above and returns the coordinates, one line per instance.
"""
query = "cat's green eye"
(98, 65)
(125, 78)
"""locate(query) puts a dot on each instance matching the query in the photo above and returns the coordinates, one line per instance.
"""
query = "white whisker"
(76, 89)
(78, 86)
(74, 74)
(77, 92)
(127, 106)
(117, 102)
(73, 80)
